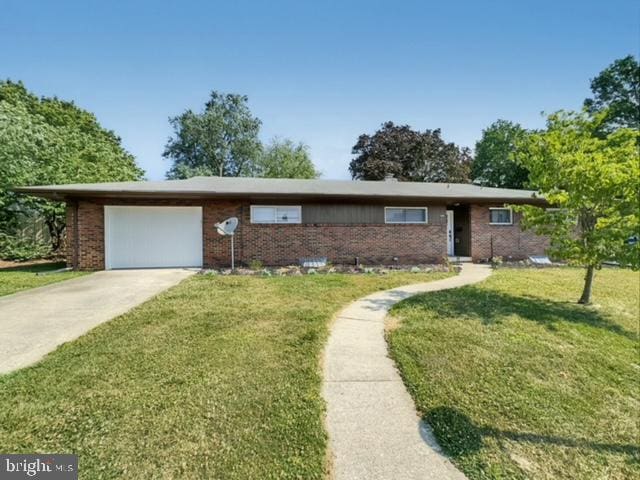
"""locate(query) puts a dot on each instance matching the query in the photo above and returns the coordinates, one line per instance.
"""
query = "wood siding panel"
(342, 214)
(359, 214)
(437, 214)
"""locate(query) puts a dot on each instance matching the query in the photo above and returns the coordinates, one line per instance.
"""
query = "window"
(405, 215)
(275, 214)
(500, 216)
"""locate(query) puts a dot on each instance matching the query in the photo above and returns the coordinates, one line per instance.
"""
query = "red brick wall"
(507, 241)
(286, 244)
(90, 252)
(271, 244)
(217, 248)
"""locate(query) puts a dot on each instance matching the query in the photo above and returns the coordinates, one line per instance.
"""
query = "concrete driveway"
(36, 321)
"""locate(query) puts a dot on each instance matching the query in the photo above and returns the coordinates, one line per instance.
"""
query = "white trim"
(510, 222)
(275, 220)
(426, 216)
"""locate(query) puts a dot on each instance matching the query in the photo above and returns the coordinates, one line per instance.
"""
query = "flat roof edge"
(62, 195)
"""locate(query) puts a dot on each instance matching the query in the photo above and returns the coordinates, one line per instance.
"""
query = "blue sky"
(320, 72)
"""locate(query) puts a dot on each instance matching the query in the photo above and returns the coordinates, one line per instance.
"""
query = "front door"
(461, 231)
(450, 243)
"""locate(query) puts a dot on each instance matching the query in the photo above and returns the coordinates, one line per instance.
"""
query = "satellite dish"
(228, 226)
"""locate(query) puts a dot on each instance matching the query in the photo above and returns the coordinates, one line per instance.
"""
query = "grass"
(218, 377)
(15, 279)
(518, 381)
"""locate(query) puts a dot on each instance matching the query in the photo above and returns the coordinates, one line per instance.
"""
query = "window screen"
(405, 215)
(275, 214)
(500, 216)
(287, 214)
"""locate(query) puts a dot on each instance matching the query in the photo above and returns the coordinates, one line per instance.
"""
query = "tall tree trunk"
(56, 227)
(585, 299)
(53, 233)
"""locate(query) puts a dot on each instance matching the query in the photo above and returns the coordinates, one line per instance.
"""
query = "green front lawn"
(517, 381)
(218, 377)
(14, 279)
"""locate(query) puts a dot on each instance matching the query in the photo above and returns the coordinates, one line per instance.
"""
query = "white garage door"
(146, 237)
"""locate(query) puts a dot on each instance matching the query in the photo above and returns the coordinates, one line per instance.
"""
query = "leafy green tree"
(494, 164)
(52, 141)
(221, 140)
(285, 159)
(593, 183)
(409, 155)
(617, 90)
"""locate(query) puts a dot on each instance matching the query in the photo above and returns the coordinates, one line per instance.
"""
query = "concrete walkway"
(34, 322)
(374, 430)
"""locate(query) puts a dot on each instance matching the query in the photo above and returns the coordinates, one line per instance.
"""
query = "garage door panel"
(147, 237)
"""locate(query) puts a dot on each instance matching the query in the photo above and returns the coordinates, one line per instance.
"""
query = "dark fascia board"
(62, 196)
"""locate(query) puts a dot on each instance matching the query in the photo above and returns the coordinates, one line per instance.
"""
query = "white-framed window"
(276, 214)
(405, 215)
(500, 216)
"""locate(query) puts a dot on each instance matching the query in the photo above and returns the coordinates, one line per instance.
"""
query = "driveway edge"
(35, 322)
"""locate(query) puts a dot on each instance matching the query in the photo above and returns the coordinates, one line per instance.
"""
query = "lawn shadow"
(458, 436)
(491, 307)
(34, 267)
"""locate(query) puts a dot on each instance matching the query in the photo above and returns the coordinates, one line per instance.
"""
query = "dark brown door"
(461, 231)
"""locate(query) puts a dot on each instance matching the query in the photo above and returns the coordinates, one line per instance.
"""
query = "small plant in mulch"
(295, 270)
(256, 265)
(446, 262)
(496, 261)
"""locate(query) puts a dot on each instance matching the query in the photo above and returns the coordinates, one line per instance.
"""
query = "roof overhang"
(60, 194)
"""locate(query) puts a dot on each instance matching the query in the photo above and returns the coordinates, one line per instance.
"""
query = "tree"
(284, 159)
(221, 140)
(593, 184)
(51, 141)
(616, 90)
(409, 155)
(494, 165)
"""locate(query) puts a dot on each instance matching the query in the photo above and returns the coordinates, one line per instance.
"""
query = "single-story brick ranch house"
(172, 223)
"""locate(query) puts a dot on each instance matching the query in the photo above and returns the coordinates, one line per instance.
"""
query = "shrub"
(12, 248)
(256, 264)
